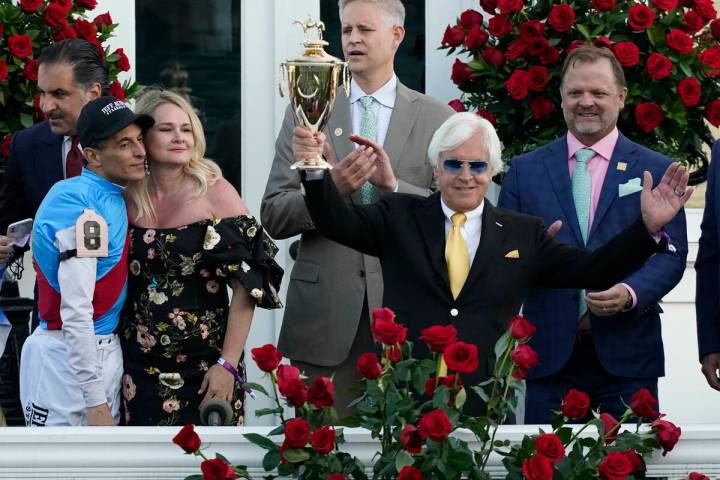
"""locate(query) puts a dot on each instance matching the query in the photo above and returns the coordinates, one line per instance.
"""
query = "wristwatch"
(629, 303)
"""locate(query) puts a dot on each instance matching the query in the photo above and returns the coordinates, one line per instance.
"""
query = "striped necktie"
(368, 128)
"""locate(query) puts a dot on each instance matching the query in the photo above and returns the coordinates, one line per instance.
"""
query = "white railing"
(147, 453)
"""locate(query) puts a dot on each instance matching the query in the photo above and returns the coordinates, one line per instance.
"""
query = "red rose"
(550, 55)
(470, 18)
(516, 84)
(537, 78)
(383, 313)
(409, 473)
(603, 42)
(573, 45)
(20, 46)
(453, 37)
(2, 28)
(123, 64)
(89, 4)
(692, 22)
(486, 114)
(686, 3)
(536, 46)
(297, 432)
(337, 476)
(438, 337)
(697, 476)
(603, 5)
(55, 15)
(461, 357)
(715, 29)
(635, 461)
(30, 6)
(448, 381)
(394, 353)
(540, 107)
(476, 38)
(267, 357)
(493, 56)
(457, 105)
(525, 357)
(615, 466)
(508, 7)
(705, 9)
(561, 18)
(323, 440)
(712, 112)
(217, 469)
(610, 427)
(85, 30)
(679, 41)
(387, 331)
(640, 17)
(187, 439)
(648, 116)
(31, 70)
(516, 49)
(369, 366)
(322, 392)
(711, 57)
(64, 32)
(666, 433)
(627, 53)
(520, 328)
(531, 29)
(658, 66)
(294, 391)
(102, 20)
(549, 446)
(499, 26)
(489, 5)
(575, 404)
(664, 5)
(6, 142)
(3, 71)
(286, 373)
(411, 439)
(435, 425)
(537, 467)
(38, 111)
(461, 73)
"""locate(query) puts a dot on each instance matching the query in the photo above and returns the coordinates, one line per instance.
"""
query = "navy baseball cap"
(104, 117)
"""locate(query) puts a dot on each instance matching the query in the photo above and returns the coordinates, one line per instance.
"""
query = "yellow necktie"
(456, 255)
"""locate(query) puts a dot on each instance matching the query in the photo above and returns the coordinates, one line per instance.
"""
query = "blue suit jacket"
(628, 344)
(35, 165)
(707, 300)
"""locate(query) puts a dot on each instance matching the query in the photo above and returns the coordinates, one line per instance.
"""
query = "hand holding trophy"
(312, 82)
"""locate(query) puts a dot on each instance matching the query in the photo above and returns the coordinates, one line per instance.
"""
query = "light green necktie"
(368, 128)
(581, 190)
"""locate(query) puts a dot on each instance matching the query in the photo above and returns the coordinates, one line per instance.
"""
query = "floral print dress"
(176, 312)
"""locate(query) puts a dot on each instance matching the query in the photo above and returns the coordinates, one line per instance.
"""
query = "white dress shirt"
(66, 144)
(470, 231)
(382, 107)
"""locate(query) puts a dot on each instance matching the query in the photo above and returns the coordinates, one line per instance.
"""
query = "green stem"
(501, 419)
(273, 380)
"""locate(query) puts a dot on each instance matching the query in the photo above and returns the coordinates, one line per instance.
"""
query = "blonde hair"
(205, 172)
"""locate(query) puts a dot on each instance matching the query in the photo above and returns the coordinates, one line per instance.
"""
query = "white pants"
(49, 392)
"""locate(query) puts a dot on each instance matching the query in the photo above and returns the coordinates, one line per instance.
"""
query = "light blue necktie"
(368, 128)
(581, 190)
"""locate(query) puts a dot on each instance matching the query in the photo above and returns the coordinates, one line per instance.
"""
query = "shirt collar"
(471, 215)
(102, 182)
(384, 95)
(603, 147)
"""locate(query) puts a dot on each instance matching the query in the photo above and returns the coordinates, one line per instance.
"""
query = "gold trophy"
(312, 82)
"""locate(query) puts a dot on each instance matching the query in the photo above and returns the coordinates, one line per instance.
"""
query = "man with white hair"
(333, 289)
(453, 258)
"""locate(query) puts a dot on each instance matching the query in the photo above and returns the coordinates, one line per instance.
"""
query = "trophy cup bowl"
(312, 82)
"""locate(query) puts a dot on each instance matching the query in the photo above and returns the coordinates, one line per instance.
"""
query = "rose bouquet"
(26, 27)
(413, 407)
(668, 49)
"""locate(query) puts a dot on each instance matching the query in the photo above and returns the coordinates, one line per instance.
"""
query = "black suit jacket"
(407, 233)
(34, 166)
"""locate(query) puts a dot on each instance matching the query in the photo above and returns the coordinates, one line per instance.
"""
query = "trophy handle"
(281, 78)
(346, 79)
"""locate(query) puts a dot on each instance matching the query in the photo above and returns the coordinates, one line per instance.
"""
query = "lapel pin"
(338, 132)
(622, 166)
(498, 224)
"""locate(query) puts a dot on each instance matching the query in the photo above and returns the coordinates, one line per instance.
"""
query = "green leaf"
(271, 460)
(286, 469)
(685, 69)
(460, 398)
(221, 457)
(296, 455)
(403, 459)
(254, 386)
(26, 119)
(502, 344)
(194, 477)
(656, 34)
(261, 441)
(584, 31)
(279, 430)
(261, 412)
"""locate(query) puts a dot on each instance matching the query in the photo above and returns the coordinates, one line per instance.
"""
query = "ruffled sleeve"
(238, 247)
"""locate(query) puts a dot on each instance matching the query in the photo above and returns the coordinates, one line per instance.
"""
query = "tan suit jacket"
(329, 282)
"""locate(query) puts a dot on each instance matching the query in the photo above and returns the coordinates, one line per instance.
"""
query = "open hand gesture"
(660, 204)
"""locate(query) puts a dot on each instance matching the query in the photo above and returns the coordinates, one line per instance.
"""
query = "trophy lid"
(314, 48)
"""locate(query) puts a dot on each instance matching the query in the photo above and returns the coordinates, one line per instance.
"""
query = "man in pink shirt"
(607, 344)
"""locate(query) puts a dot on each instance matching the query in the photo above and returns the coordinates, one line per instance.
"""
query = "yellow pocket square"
(512, 254)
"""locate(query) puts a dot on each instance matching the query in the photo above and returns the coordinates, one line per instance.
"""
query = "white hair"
(394, 9)
(457, 129)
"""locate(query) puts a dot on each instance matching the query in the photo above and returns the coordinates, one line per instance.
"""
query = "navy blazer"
(628, 344)
(34, 166)
(707, 296)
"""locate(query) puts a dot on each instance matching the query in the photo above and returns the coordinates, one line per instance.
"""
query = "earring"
(147, 168)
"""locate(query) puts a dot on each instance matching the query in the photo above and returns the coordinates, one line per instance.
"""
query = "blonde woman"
(191, 236)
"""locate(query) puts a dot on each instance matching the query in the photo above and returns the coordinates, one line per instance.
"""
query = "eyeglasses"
(477, 167)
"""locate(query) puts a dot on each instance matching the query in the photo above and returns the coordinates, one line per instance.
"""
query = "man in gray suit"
(332, 288)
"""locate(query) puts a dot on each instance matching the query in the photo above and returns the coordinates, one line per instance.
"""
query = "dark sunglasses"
(477, 167)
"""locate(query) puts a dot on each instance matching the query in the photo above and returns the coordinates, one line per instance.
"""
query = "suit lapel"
(492, 234)
(340, 119)
(556, 166)
(431, 222)
(623, 153)
(403, 118)
(48, 156)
